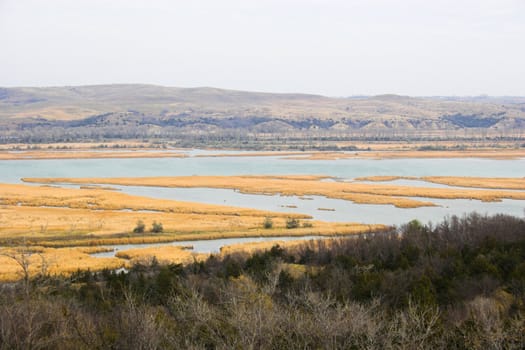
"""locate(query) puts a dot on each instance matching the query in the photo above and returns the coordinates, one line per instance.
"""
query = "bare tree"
(22, 256)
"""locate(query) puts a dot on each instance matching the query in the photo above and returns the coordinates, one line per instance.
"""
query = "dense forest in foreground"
(459, 284)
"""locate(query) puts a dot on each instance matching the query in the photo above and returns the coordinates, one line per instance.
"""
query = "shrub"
(268, 223)
(140, 227)
(157, 227)
(307, 224)
(292, 223)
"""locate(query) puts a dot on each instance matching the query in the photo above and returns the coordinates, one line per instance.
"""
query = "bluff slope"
(146, 111)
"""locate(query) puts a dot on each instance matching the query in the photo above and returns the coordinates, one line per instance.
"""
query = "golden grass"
(481, 182)
(507, 183)
(252, 154)
(361, 193)
(72, 154)
(97, 199)
(58, 217)
(61, 261)
(97, 187)
(42, 222)
(253, 247)
(284, 185)
(327, 156)
(65, 227)
(163, 254)
(66, 260)
(490, 154)
(380, 178)
(53, 217)
(289, 177)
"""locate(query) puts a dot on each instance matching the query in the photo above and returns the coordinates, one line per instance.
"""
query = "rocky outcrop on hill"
(135, 111)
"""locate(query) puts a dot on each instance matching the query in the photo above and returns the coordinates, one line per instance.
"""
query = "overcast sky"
(330, 47)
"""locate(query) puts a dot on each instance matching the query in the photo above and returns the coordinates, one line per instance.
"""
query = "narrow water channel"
(201, 246)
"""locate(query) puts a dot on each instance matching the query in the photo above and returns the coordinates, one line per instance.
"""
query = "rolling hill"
(31, 114)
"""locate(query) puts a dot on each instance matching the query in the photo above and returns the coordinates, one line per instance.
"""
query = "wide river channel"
(344, 170)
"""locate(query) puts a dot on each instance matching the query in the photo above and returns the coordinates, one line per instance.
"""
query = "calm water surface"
(201, 246)
(343, 169)
(12, 171)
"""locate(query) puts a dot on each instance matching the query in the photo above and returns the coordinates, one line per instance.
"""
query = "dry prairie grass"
(55, 154)
(98, 199)
(354, 191)
(284, 185)
(43, 222)
(253, 154)
(385, 178)
(163, 254)
(60, 217)
(481, 182)
(61, 261)
(66, 260)
(386, 154)
(507, 183)
(65, 227)
(97, 187)
(253, 247)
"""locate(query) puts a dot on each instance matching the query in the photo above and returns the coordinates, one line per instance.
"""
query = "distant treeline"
(225, 118)
(459, 284)
(255, 132)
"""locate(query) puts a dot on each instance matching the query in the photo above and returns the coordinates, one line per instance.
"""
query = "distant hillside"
(129, 111)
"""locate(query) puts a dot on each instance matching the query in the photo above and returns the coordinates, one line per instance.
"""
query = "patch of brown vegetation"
(66, 260)
(163, 254)
(20, 155)
(63, 222)
(253, 247)
(361, 193)
(284, 185)
(385, 178)
(490, 154)
(60, 261)
(507, 183)
(252, 154)
(57, 217)
(97, 187)
(97, 199)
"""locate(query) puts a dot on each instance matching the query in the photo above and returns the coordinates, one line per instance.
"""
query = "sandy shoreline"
(87, 153)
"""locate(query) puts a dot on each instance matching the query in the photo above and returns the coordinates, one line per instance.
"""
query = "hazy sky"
(330, 47)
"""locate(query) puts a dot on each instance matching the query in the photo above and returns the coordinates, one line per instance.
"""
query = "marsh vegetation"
(457, 284)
